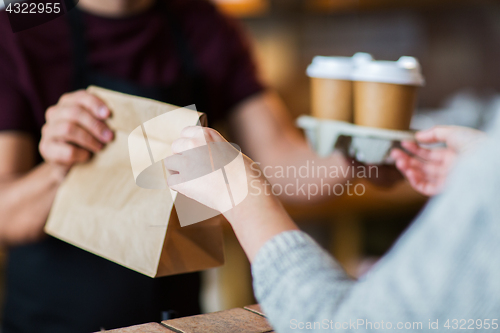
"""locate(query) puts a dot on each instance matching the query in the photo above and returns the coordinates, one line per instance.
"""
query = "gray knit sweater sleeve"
(445, 268)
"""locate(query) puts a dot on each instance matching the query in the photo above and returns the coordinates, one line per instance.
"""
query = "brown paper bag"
(101, 209)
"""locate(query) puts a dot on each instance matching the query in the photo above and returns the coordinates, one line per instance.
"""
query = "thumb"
(435, 134)
(455, 137)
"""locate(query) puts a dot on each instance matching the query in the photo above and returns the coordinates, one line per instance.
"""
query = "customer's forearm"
(258, 219)
(296, 281)
(25, 202)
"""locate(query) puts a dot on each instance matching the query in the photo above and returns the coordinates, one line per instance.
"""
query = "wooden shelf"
(332, 6)
(243, 8)
(375, 202)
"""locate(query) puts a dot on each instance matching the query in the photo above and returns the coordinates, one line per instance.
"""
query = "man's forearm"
(298, 175)
(25, 202)
(265, 130)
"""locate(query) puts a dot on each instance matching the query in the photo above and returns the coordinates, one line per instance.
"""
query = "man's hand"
(428, 169)
(74, 129)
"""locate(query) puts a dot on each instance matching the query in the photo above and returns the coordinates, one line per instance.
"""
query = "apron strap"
(79, 45)
(189, 66)
(186, 56)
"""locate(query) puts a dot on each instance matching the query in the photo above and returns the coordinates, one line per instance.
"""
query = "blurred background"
(458, 45)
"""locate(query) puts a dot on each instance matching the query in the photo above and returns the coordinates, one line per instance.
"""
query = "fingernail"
(103, 111)
(106, 135)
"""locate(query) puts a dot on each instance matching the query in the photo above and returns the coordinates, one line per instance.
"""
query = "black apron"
(54, 287)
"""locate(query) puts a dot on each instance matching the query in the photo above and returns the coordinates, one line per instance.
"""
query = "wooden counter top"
(249, 319)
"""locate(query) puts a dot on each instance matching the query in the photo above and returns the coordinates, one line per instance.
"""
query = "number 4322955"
(471, 324)
(33, 8)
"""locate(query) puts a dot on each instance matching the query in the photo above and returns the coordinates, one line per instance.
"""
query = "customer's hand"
(74, 129)
(428, 169)
(198, 153)
(258, 217)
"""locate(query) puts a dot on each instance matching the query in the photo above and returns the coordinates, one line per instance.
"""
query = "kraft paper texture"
(115, 207)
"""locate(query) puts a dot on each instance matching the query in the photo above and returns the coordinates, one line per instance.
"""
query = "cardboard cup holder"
(365, 144)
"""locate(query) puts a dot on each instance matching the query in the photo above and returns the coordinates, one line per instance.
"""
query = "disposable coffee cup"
(385, 93)
(331, 86)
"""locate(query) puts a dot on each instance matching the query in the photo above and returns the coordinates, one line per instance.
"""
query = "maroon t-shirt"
(52, 286)
(36, 65)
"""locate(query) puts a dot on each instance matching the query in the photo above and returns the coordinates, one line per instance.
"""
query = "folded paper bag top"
(100, 207)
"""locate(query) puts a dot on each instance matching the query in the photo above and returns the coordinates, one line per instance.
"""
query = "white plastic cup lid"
(405, 71)
(361, 57)
(340, 68)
